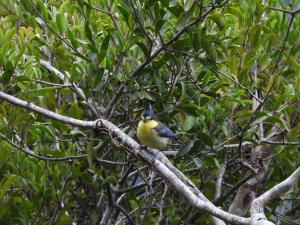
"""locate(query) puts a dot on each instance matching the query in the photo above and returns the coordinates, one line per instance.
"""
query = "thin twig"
(31, 153)
(125, 214)
(156, 52)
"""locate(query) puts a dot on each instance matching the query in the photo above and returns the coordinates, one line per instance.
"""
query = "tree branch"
(188, 190)
(73, 86)
(220, 176)
(257, 206)
(31, 153)
(135, 73)
(47, 113)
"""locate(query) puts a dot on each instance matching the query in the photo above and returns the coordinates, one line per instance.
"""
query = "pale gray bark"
(161, 164)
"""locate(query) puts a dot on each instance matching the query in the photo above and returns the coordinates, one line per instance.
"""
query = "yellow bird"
(151, 132)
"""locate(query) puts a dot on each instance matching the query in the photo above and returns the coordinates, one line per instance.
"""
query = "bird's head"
(148, 114)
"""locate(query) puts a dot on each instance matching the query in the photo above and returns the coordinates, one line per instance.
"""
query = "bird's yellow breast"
(149, 137)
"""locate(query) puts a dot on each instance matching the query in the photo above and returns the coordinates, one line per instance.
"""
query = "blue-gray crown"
(148, 112)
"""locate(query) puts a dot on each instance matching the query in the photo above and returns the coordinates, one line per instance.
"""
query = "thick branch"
(47, 113)
(257, 206)
(121, 139)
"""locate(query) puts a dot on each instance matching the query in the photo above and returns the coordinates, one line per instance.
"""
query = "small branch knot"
(98, 124)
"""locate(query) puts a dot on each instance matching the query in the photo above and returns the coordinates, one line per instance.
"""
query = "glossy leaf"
(60, 23)
(5, 183)
(188, 4)
(219, 19)
(186, 148)
(205, 138)
(183, 20)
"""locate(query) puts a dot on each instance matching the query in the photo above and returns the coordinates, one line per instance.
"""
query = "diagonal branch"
(47, 113)
(258, 204)
(193, 195)
(98, 111)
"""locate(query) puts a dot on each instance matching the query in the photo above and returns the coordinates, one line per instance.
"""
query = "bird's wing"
(163, 131)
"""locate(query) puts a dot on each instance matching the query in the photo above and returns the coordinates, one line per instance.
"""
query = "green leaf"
(72, 38)
(188, 123)
(255, 35)
(76, 132)
(217, 163)
(236, 11)
(196, 41)
(198, 162)
(183, 91)
(4, 207)
(245, 113)
(75, 111)
(219, 19)
(243, 75)
(186, 148)
(1, 37)
(5, 183)
(9, 34)
(294, 132)
(205, 138)
(273, 120)
(250, 57)
(183, 21)
(60, 23)
(124, 13)
(187, 4)
(3, 51)
(285, 124)
(211, 52)
(40, 128)
(173, 3)
(88, 31)
(292, 61)
(43, 10)
(134, 204)
(145, 95)
(64, 219)
(6, 76)
(101, 55)
(41, 91)
(143, 47)
(191, 109)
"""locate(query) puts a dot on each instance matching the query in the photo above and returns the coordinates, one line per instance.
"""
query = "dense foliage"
(223, 75)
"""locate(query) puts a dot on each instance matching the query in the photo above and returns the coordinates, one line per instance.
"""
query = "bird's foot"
(144, 147)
